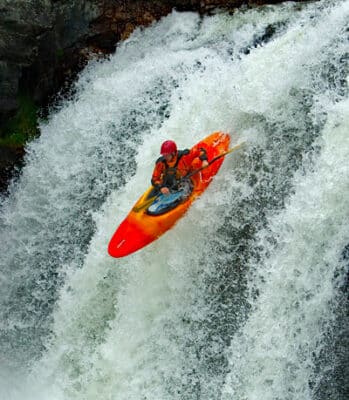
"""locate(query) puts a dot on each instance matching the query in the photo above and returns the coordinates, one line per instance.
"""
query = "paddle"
(149, 202)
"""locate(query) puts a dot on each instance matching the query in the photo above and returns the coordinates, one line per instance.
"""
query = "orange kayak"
(140, 228)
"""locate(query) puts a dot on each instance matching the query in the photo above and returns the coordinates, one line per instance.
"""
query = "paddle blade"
(140, 207)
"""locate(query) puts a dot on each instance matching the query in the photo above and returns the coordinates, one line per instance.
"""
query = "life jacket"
(171, 174)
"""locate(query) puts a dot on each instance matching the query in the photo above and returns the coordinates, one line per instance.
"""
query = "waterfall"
(245, 297)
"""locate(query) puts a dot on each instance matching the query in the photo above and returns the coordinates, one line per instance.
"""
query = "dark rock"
(11, 159)
(9, 77)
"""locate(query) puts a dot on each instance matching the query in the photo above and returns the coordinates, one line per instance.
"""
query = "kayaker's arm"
(198, 158)
(157, 177)
(203, 154)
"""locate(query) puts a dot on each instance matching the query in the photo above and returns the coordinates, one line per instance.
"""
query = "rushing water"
(245, 298)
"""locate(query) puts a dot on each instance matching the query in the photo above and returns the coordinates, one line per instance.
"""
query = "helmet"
(168, 147)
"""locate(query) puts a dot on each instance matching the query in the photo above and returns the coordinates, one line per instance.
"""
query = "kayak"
(144, 224)
(152, 216)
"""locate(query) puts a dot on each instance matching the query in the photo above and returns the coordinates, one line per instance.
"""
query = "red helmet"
(168, 147)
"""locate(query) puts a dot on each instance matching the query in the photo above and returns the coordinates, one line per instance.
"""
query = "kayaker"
(175, 164)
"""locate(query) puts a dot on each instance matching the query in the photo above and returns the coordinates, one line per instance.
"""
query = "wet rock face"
(21, 25)
(10, 163)
(35, 35)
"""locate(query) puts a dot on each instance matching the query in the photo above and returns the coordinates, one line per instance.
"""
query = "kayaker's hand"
(165, 190)
(204, 163)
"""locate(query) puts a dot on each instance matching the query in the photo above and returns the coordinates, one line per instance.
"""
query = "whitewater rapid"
(244, 298)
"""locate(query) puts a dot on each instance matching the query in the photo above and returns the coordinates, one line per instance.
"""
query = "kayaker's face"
(170, 157)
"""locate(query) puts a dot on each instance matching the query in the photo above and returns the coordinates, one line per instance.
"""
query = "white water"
(239, 300)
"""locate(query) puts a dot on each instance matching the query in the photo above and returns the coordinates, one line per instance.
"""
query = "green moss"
(60, 53)
(23, 126)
